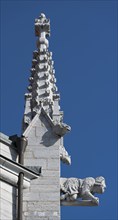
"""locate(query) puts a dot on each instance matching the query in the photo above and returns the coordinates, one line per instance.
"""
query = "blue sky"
(83, 41)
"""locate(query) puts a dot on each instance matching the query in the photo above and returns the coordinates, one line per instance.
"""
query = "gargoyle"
(64, 156)
(61, 129)
(74, 189)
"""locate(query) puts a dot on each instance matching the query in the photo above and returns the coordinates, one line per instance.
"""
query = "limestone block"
(32, 131)
(50, 188)
(35, 214)
(49, 206)
(37, 146)
(25, 206)
(29, 155)
(41, 215)
(46, 181)
(44, 196)
(31, 196)
(36, 162)
(46, 153)
(53, 164)
(48, 214)
(50, 173)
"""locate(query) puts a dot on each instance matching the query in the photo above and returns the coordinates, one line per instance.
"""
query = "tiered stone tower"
(44, 128)
(42, 88)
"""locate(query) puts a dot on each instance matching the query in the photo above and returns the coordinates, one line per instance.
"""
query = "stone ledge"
(78, 203)
(5, 140)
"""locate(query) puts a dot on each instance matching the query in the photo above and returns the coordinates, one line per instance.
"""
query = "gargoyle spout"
(61, 129)
(76, 190)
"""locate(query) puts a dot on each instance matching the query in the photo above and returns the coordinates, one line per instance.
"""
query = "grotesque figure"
(64, 156)
(61, 129)
(74, 188)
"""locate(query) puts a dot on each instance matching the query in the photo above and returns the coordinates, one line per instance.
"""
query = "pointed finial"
(42, 24)
(42, 15)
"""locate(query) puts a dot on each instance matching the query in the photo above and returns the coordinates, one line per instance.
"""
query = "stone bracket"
(78, 203)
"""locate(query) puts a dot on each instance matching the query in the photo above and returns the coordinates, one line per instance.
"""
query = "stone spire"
(42, 91)
(42, 96)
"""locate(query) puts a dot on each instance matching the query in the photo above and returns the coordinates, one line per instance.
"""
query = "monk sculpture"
(74, 189)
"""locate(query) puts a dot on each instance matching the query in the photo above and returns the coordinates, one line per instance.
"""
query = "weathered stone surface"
(46, 153)
(51, 173)
(53, 164)
(46, 181)
(45, 189)
(40, 206)
(7, 201)
(36, 162)
(44, 128)
(78, 191)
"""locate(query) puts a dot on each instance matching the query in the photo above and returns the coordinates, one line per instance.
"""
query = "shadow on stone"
(49, 139)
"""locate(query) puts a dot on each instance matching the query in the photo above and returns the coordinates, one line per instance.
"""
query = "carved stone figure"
(64, 156)
(75, 189)
(61, 129)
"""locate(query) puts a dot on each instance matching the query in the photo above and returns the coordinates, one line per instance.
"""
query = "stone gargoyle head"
(61, 129)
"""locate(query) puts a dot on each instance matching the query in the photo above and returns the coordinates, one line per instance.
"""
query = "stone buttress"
(44, 128)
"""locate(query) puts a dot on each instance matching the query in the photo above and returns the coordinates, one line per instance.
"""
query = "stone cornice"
(5, 139)
(9, 172)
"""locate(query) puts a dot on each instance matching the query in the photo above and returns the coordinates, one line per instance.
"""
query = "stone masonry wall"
(42, 199)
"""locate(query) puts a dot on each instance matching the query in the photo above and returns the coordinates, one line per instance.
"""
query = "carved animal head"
(64, 156)
(66, 159)
(100, 185)
(61, 129)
